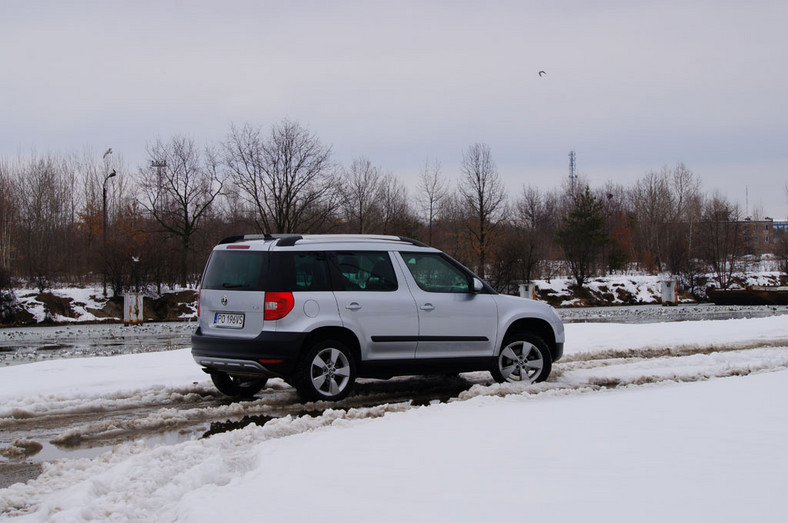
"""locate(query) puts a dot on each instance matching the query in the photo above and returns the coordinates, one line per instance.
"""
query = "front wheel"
(524, 357)
(327, 372)
(237, 386)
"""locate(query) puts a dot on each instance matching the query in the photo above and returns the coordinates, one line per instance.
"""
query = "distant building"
(762, 234)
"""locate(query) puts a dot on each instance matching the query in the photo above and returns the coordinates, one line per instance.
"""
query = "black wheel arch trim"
(541, 328)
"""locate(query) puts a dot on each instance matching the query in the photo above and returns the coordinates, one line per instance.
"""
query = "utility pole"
(104, 227)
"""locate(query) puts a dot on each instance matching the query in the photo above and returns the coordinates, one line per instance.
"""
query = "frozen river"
(28, 344)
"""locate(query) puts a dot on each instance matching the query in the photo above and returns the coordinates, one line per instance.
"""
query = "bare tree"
(397, 215)
(618, 251)
(536, 229)
(361, 190)
(8, 219)
(686, 209)
(178, 189)
(651, 205)
(666, 205)
(8, 207)
(483, 194)
(47, 219)
(432, 190)
(449, 230)
(721, 238)
(286, 177)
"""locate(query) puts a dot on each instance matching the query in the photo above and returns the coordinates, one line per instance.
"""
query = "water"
(28, 344)
(660, 314)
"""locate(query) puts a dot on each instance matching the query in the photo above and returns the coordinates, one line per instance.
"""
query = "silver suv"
(322, 310)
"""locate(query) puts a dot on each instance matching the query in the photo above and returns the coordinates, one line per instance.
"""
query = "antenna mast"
(572, 171)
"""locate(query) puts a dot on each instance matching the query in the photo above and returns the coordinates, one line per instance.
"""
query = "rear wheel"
(327, 372)
(236, 385)
(524, 357)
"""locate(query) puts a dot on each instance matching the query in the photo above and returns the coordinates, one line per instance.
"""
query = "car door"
(373, 304)
(454, 321)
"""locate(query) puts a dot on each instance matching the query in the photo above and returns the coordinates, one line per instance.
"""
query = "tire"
(237, 386)
(524, 357)
(326, 372)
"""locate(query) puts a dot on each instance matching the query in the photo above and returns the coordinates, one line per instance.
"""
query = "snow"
(689, 452)
(645, 422)
(643, 288)
(594, 337)
(82, 300)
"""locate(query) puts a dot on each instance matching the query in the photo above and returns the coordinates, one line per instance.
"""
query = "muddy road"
(64, 428)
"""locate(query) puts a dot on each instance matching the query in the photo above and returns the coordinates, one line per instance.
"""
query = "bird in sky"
(542, 73)
(109, 151)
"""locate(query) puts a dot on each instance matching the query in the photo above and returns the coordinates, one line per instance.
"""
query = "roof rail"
(245, 237)
(288, 240)
(417, 243)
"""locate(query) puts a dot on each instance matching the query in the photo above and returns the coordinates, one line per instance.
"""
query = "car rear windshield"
(233, 270)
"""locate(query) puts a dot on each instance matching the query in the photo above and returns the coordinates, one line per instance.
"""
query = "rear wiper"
(232, 285)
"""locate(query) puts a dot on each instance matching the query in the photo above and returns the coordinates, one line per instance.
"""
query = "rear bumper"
(271, 354)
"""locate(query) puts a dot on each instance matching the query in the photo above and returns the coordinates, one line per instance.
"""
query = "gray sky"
(630, 86)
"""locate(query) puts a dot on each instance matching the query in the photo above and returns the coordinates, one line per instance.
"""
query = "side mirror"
(478, 286)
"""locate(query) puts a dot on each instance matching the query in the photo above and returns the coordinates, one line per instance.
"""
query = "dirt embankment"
(174, 306)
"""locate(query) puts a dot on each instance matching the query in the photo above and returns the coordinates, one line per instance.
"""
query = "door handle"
(427, 307)
(353, 306)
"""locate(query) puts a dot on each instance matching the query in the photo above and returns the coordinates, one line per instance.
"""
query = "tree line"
(79, 219)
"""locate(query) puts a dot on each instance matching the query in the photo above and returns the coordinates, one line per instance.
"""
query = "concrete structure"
(132, 309)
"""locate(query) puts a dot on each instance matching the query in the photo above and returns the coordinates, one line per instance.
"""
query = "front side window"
(433, 273)
(365, 271)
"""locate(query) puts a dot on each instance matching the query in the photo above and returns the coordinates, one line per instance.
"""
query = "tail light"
(277, 305)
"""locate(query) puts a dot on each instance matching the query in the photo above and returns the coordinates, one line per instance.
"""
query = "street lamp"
(104, 228)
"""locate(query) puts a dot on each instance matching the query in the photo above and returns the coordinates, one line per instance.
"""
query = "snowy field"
(683, 421)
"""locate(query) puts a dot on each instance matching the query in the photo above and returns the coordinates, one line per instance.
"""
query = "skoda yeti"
(320, 311)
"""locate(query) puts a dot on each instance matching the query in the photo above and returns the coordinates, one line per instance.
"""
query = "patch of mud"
(218, 427)
(21, 448)
(11, 473)
(116, 426)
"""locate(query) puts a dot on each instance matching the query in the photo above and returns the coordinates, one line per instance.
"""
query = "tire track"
(74, 423)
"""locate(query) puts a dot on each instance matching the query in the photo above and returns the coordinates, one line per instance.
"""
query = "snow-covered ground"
(678, 421)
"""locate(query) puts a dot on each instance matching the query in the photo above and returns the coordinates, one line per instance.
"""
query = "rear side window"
(302, 271)
(365, 271)
(235, 270)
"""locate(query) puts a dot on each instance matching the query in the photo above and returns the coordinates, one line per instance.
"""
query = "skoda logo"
(224, 300)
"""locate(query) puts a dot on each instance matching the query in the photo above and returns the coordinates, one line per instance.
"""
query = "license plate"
(233, 321)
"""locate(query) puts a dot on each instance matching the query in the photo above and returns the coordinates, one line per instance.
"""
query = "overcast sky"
(629, 86)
